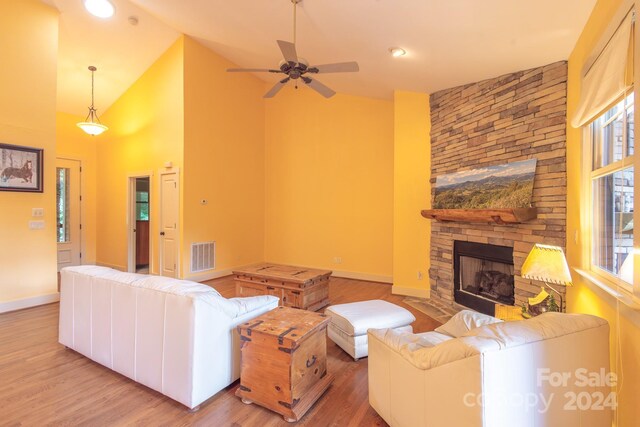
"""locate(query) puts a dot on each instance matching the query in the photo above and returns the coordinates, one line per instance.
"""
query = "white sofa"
(174, 336)
(528, 373)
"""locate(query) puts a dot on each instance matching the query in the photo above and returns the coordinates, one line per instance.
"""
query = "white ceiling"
(448, 42)
(120, 51)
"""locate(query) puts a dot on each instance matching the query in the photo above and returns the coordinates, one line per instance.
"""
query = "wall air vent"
(203, 256)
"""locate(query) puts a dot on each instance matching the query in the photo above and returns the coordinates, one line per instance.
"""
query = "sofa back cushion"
(232, 308)
(545, 326)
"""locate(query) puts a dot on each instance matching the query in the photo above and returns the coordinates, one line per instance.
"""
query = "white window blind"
(609, 76)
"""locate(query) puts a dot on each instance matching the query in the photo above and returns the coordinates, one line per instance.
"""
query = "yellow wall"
(223, 160)
(145, 130)
(73, 143)
(29, 30)
(329, 182)
(411, 193)
(584, 297)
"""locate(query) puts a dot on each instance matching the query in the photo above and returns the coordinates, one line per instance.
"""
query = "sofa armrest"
(424, 355)
(239, 307)
(406, 395)
(248, 305)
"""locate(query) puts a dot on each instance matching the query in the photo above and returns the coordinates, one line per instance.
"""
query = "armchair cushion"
(464, 321)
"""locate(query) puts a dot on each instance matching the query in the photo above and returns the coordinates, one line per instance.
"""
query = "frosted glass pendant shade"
(92, 128)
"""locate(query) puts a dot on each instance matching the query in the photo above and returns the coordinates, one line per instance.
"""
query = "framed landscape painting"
(505, 186)
(20, 168)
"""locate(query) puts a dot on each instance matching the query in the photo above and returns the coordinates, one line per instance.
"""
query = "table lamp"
(547, 264)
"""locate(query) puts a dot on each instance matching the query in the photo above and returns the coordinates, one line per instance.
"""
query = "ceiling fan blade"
(340, 67)
(276, 88)
(288, 50)
(323, 90)
(252, 70)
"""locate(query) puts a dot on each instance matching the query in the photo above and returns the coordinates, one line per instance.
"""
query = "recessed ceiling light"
(397, 52)
(99, 8)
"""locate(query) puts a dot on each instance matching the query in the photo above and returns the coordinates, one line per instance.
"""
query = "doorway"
(139, 222)
(68, 199)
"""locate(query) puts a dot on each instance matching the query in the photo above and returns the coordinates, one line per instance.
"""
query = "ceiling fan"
(297, 68)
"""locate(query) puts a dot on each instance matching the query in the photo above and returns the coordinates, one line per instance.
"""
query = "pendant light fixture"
(91, 124)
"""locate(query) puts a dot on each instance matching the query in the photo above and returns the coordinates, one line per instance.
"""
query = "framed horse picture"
(20, 168)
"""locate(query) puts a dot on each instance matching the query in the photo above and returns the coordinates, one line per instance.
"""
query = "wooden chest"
(297, 287)
(284, 361)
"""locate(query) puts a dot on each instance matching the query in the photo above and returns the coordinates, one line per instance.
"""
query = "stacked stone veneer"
(513, 117)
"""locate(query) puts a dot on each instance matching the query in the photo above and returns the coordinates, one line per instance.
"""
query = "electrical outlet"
(36, 225)
(419, 275)
(337, 260)
(35, 212)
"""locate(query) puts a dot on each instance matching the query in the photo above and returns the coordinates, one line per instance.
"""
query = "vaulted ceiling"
(448, 43)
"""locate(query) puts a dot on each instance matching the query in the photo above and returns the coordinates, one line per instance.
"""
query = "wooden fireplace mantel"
(497, 216)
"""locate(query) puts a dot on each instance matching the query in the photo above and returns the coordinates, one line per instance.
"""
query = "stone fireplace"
(513, 117)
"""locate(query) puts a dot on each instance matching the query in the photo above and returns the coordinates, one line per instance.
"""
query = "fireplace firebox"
(483, 275)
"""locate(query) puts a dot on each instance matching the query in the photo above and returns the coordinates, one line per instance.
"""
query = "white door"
(169, 199)
(68, 212)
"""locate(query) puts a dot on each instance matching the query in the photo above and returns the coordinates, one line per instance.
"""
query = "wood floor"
(42, 383)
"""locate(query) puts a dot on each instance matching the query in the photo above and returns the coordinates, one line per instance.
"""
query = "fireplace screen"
(482, 275)
(488, 279)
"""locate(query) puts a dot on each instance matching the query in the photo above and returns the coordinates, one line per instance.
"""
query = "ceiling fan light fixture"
(397, 52)
(99, 8)
(91, 124)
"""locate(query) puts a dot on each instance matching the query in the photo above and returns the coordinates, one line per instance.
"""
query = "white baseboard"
(203, 277)
(226, 272)
(19, 304)
(344, 274)
(363, 276)
(410, 292)
(210, 275)
(115, 267)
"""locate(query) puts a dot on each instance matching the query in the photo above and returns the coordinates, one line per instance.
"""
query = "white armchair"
(528, 373)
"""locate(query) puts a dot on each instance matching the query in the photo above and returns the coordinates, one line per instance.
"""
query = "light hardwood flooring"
(42, 383)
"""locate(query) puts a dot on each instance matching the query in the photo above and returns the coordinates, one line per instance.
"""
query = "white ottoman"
(350, 322)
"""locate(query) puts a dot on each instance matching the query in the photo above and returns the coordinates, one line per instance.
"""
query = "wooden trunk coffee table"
(297, 287)
(284, 361)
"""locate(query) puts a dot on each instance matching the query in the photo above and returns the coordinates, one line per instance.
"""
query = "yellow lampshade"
(548, 264)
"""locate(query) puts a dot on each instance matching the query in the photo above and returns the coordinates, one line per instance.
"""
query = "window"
(612, 181)
(142, 205)
(62, 204)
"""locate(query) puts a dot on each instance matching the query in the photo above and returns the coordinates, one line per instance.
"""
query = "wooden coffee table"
(296, 287)
(284, 361)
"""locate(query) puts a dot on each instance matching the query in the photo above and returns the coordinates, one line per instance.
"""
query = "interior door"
(169, 199)
(68, 212)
